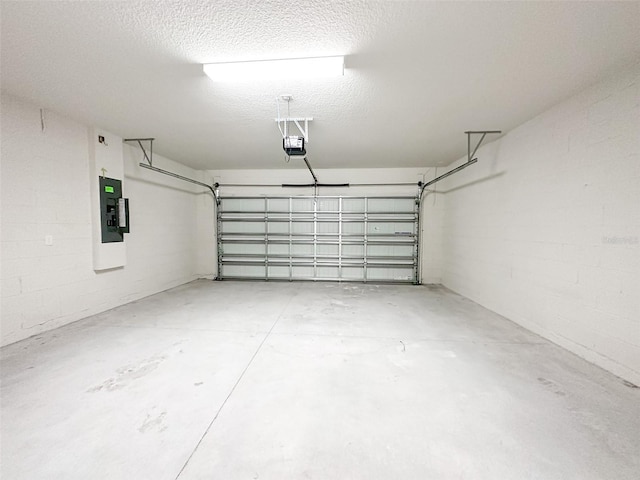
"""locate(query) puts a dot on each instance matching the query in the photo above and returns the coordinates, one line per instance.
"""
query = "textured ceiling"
(418, 73)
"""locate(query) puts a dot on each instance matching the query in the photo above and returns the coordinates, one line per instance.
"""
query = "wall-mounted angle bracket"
(149, 157)
(283, 124)
(470, 157)
(477, 132)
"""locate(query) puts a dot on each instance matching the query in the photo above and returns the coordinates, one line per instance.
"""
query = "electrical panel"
(114, 210)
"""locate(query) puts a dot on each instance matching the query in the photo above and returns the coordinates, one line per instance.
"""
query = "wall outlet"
(48, 240)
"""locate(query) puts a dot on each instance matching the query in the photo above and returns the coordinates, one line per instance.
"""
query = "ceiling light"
(270, 69)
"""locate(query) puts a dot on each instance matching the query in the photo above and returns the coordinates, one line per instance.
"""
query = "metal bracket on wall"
(477, 132)
(470, 157)
(148, 158)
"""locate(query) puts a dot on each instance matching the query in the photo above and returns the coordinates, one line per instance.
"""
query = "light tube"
(273, 69)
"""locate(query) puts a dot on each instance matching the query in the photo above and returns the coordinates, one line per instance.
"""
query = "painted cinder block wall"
(45, 191)
(545, 228)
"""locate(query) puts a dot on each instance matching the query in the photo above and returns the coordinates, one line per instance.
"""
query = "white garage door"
(331, 238)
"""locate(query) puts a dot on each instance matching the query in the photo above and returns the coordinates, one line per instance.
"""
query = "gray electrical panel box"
(114, 210)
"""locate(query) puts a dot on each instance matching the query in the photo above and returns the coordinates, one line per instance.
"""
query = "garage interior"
(425, 266)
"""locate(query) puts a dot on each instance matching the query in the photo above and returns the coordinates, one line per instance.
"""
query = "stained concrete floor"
(226, 380)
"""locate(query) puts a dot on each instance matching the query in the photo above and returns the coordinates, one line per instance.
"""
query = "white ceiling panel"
(418, 73)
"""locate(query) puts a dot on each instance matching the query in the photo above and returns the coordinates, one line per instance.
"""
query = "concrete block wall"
(45, 192)
(431, 238)
(545, 228)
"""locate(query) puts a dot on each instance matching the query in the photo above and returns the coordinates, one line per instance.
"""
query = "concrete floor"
(226, 380)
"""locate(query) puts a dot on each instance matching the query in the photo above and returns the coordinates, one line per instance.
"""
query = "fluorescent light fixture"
(271, 69)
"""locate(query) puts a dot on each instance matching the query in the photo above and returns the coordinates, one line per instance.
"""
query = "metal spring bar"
(315, 179)
(470, 157)
(315, 183)
(186, 179)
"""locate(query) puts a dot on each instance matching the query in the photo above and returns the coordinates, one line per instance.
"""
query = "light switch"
(48, 240)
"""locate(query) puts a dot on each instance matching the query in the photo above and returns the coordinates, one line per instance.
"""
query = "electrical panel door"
(114, 210)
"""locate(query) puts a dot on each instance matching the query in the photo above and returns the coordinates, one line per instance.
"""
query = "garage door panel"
(390, 229)
(301, 204)
(327, 272)
(302, 227)
(279, 272)
(353, 250)
(382, 274)
(244, 248)
(242, 271)
(319, 238)
(278, 227)
(401, 251)
(328, 227)
(243, 227)
(387, 204)
(328, 204)
(279, 205)
(242, 204)
(302, 250)
(355, 205)
(302, 273)
(278, 249)
(333, 250)
(353, 273)
(353, 228)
